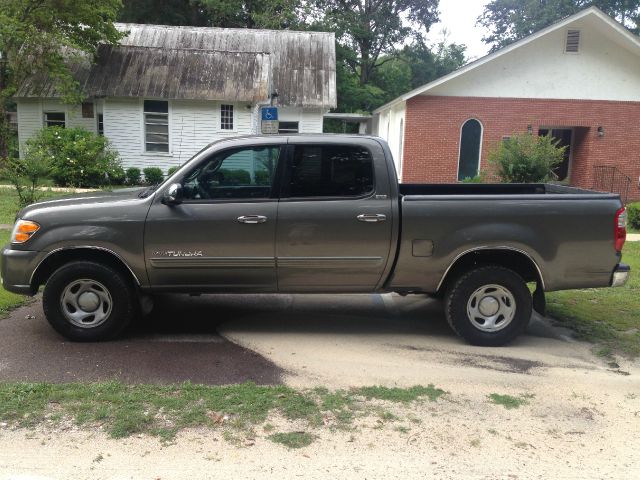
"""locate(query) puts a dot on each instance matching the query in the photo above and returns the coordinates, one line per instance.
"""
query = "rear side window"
(331, 171)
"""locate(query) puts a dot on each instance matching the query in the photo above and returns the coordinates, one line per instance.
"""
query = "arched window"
(400, 147)
(470, 146)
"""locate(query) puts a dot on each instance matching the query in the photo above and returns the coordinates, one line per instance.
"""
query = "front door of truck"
(221, 237)
(334, 217)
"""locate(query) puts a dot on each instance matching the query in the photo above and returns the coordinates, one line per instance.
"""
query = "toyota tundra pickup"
(313, 213)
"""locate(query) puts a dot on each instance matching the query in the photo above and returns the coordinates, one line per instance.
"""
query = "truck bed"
(429, 189)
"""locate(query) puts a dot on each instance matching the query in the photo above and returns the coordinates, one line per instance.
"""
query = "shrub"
(77, 157)
(118, 176)
(235, 177)
(476, 179)
(172, 170)
(26, 176)
(526, 158)
(263, 177)
(153, 175)
(133, 176)
(633, 215)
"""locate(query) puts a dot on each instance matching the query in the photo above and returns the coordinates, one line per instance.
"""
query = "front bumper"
(620, 275)
(17, 268)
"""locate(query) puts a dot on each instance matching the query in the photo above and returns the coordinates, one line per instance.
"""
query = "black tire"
(116, 301)
(501, 288)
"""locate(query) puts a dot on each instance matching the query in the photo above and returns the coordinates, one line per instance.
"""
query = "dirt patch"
(487, 362)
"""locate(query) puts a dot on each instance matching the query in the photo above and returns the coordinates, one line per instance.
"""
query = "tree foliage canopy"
(373, 28)
(511, 20)
(39, 37)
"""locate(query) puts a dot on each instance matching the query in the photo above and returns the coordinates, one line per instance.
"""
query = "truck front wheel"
(88, 302)
(488, 306)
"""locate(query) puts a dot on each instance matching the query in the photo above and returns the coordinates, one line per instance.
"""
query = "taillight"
(620, 229)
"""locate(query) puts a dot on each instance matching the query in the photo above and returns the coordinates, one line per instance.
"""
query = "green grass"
(609, 317)
(509, 402)
(9, 202)
(402, 395)
(162, 411)
(293, 439)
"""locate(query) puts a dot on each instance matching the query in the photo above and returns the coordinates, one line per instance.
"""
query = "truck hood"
(84, 200)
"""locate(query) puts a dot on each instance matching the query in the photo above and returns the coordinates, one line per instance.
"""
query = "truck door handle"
(252, 219)
(371, 217)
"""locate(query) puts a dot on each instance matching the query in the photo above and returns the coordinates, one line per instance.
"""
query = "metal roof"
(209, 64)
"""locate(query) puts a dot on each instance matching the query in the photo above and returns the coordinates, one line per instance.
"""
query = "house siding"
(432, 134)
(192, 125)
(29, 121)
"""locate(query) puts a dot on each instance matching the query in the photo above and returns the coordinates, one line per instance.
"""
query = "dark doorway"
(565, 139)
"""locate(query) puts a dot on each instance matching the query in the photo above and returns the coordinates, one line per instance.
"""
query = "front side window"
(156, 126)
(237, 173)
(54, 119)
(470, 143)
(226, 117)
(331, 171)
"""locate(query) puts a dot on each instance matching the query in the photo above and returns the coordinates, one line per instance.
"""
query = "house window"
(288, 127)
(54, 119)
(100, 124)
(226, 117)
(87, 110)
(470, 145)
(156, 125)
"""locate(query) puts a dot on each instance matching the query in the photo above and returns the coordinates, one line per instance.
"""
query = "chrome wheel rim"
(86, 303)
(491, 308)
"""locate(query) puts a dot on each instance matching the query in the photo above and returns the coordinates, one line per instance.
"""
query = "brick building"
(578, 80)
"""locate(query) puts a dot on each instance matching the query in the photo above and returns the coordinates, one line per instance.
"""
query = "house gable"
(601, 69)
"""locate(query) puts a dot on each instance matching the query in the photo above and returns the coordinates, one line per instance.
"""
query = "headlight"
(23, 230)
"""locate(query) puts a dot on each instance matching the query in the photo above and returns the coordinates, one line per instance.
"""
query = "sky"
(459, 18)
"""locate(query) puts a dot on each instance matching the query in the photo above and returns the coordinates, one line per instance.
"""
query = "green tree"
(526, 158)
(272, 14)
(510, 20)
(41, 38)
(371, 29)
(164, 12)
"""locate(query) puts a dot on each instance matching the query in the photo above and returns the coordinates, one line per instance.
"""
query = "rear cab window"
(336, 171)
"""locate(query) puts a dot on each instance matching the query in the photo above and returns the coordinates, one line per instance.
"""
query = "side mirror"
(173, 195)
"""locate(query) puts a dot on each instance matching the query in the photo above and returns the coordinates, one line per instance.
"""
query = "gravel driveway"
(581, 419)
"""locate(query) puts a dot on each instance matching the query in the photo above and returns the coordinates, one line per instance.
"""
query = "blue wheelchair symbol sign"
(270, 113)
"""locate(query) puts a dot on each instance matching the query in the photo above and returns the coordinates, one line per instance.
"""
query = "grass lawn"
(163, 410)
(9, 203)
(609, 317)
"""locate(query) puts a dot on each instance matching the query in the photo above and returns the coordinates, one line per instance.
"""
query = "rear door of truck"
(335, 216)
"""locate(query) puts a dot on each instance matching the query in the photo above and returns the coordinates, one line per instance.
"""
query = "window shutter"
(573, 41)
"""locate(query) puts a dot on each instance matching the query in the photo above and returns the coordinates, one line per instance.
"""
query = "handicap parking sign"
(270, 113)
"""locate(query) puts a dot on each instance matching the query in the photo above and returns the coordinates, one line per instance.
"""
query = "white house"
(166, 92)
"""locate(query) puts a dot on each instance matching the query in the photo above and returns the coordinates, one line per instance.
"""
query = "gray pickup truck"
(313, 213)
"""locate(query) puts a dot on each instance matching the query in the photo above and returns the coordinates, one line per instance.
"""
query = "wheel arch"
(56, 258)
(509, 257)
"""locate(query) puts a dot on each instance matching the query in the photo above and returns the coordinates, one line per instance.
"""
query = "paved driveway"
(178, 342)
(303, 339)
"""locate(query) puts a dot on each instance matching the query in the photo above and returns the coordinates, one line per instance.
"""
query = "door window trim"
(286, 176)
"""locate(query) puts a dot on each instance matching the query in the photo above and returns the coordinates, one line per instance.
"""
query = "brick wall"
(432, 134)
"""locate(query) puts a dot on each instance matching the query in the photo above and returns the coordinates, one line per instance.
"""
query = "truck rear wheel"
(488, 306)
(88, 302)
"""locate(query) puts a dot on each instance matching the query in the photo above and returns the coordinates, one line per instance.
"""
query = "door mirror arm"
(173, 195)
